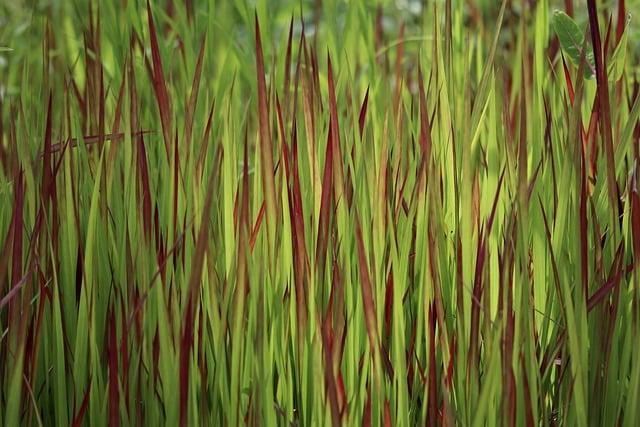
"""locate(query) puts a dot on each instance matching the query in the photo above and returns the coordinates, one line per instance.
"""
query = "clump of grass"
(319, 213)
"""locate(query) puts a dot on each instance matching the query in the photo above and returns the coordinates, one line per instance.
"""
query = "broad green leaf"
(572, 41)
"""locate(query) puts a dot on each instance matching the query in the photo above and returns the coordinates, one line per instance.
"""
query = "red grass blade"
(432, 415)
(17, 226)
(582, 209)
(160, 84)
(398, 69)
(141, 156)
(77, 419)
(478, 287)
(266, 149)
(425, 126)
(186, 343)
(124, 353)
(297, 219)
(367, 293)
(46, 158)
(287, 66)
(112, 351)
(335, 133)
(143, 174)
(366, 416)
(15, 289)
(330, 382)
(325, 207)
(176, 189)
(603, 106)
(205, 140)
(93, 139)
(615, 276)
(387, 414)
(622, 19)
(193, 98)
(388, 305)
(363, 112)
(256, 226)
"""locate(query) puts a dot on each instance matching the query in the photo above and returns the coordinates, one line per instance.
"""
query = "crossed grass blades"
(319, 213)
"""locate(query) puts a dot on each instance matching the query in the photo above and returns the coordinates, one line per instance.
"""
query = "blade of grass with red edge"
(47, 174)
(432, 411)
(176, 192)
(287, 68)
(388, 305)
(363, 112)
(613, 281)
(160, 84)
(241, 289)
(93, 139)
(297, 219)
(610, 310)
(193, 295)
(193, 98)
(48, 197)
(582, 215)
(338, 179)
(367, 296)
(607, 37)
(325, 208)
(112, 357)
(425, 126)
(622, 19)
(339, 328)
(16, 319)
(478, 286)
(361, 120)
(398, 70)
(18, 229)
(124, 353)
(14, 290)
(330, 382)
(139, 301)
(527, 395)
(508, 335)
(186, 342)
(285, 159)
(366, 416)
(79, 416)
(256, 225)
(204, 145)
(387, 414)
(266, 149)
(604, 109)
(328, 341)
(141, 156)
(143, 174)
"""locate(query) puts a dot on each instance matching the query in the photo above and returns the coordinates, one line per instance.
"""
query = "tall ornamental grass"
(319, 212)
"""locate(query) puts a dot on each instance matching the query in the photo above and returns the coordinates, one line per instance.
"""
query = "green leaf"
(572, 41)
(618, 59)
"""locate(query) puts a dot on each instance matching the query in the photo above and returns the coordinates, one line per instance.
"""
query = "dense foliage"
(324, 212)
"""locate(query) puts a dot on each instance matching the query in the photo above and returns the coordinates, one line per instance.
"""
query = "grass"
(319, 213)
